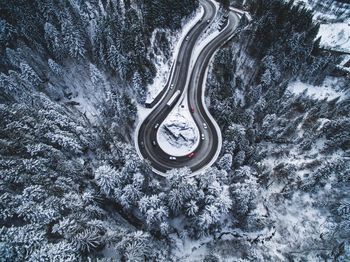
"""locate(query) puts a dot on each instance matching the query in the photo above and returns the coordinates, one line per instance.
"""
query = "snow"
(335, 36)
(298, 220)
(328, 13)
(322, 121)
(86, 106)
(110, 253)
(178, 135)
(345, 59)
(163, 67)
(85, 92)
(241, 12)
(328, 90)
(295, 219)
(189, 250)
(142, 112)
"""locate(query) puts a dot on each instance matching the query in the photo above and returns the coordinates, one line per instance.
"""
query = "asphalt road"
(207, 149)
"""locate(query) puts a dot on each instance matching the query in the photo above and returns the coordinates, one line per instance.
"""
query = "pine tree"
(225, 162)
(13, 56)
(97, 78)
(61, 251)
(53, 39)
(155, 212)
(107, 178)
(181, 188)
(192, 208)
(139, 88)
(113, 57)
(56, 68)
(87, 240)
(72, 40)
(29, 74)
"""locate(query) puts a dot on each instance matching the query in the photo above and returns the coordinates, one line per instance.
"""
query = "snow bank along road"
(207, 150)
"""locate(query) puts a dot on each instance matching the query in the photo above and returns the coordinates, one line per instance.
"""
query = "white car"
(172, 158)
(205, 126)
(208, 21)
(154, 143)
(156, 125)
(202, 136)
(187, 37)
(171, 86)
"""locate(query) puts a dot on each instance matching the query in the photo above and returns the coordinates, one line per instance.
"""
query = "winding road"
(190, 80)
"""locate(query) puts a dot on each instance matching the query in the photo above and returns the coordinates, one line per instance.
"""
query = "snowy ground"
(163, 69)
(86, 106)
(328, 14)
(86, 96)
(336, 36)
(178, 135)
(163, 66)
(142, 112)
(188, 250)
(328, 90)
(345, 59)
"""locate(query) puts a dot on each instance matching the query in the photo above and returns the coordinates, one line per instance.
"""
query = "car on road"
(205, 126)
(187, 37)
(192, 109)
(171, 86)
(156, 125)
(202, 136)
(208, 21)
(172, 158)
(154, 143)
(191, 155)
(142, 144)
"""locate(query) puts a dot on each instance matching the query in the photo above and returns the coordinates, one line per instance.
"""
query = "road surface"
(208, 149)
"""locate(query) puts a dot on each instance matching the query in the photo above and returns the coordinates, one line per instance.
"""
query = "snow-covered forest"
(73, 75)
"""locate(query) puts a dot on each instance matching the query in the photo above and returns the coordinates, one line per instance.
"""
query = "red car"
(192, 109)
(190, 155)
